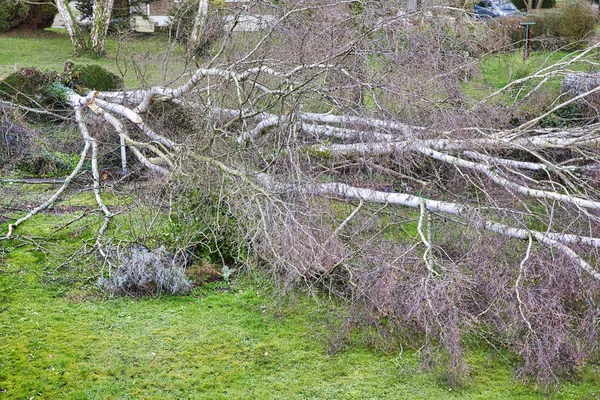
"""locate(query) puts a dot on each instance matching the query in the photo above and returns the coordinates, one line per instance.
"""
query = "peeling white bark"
(72, 28)
(102, 10)
(56, 195)
(200, 21)
(550, 239)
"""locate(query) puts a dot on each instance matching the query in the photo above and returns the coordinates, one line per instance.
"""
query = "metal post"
(527, 26)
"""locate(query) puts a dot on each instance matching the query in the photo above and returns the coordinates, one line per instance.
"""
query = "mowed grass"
(499, 70)
(142, 60)
(61, 338)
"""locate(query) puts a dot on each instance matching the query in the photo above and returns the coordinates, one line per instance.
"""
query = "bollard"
(527, 26)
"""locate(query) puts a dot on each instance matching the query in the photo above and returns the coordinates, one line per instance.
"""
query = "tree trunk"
(100, 22)
(79, 44)
(199, 27)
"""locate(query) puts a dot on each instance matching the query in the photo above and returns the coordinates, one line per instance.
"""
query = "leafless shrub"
(14, 139)
(144, 272)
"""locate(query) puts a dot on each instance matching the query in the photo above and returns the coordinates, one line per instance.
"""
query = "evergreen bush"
(12, 13)
(40, 16)
(33, 88)
(27, 87)
(91, 76)
(22, 14)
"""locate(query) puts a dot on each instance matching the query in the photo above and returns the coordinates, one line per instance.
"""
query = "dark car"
(495, 9)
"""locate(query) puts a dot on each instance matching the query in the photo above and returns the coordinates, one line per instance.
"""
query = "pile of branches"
(359, 167)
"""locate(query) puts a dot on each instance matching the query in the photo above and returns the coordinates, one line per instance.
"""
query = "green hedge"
(34, 88)
(571, 24)
(557, 28)
(91, 76)
(27, 87)
(12, 13)
(31, 15)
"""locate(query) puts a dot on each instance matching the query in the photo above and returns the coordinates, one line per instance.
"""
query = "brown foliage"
(202, 273)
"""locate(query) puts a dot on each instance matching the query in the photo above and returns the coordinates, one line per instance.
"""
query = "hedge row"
(554, 28)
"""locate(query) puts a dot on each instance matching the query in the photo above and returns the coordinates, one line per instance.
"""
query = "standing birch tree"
(199, 27)
(77, 39)
(102, 11)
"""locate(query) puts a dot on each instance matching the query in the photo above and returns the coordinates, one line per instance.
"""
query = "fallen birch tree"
(505, 219)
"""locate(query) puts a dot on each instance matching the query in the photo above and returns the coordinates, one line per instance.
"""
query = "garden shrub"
(27, 87)
(40, 16)
(12, 13)
(145, 272)
(211, 225)
(509, 29)
(14, 140)
(91, 76)
(48, 163)
(30, 15)
(562, 118)
(204, 272)
(33, 88)
(553, 29)
(569, 26)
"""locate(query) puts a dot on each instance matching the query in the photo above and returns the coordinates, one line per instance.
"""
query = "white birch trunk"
(199, 27)
(100, 21)
(72, 28)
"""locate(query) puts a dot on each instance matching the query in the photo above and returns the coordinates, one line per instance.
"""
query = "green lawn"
(60, 338)
(498, 70)
(141, 59)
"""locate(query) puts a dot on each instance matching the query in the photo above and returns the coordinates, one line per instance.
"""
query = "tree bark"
(199, 28)
(79, 44)
(100, 23)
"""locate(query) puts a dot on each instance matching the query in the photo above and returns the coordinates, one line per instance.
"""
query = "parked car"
(495, 9)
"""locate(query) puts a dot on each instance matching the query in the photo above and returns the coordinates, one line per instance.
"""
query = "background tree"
(74, 30)
(199, 27)
(102, 11)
